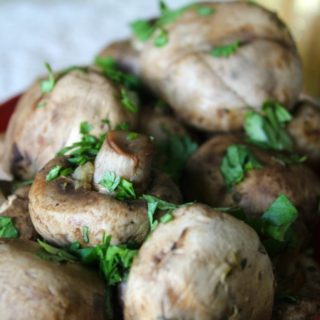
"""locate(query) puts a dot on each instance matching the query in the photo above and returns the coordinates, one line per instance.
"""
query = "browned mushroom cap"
(32, 288)
(202, 265)
(59, 210)
(128, 155)
(212, 93)
(260, 187)
(16, 207)
(43, 124)
(125, 55)
(305, 129)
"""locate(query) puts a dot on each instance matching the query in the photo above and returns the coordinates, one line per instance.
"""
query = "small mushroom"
(42, 124)
(202, 265)
(128, 155)
(33, 288)
(211, 90)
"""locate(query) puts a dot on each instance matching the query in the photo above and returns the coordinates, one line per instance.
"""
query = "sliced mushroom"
(305, 130)
(33, 288)
(212, 92)
(59, 210)
(204, 182)
(16, 207)
(128, 155)
(124, 54)
(202, 265)
(42, 124)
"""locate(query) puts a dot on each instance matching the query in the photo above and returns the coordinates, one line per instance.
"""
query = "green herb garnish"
(47, 85)
(225, 50)
(7, 228)
(131, 136)
(122, 188)
(205, 11)
(161, 39)
(237, 161)
(128, 100)
(267, 129)
(53, 173)
(85, 234)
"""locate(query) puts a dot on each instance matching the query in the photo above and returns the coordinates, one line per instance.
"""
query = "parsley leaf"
(132, 136)
(237, 161)
(47, 85)
(205, 11)
(177, 150)
(53, 173)
(85, 234)
(279, 217)
(226, 50)
(161, 39)
(85, 128)
(268, 129)
(129, 100)
(7, 228)
(142, 29)
(155, 204)
(122, 188)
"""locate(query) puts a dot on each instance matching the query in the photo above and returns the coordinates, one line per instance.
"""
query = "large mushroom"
(60, 209)
(42, 124)
(206, 61)
(204, 182)
(33, 288)
(202, 265)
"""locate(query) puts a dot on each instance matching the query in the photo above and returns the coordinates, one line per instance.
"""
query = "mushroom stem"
(128, 155)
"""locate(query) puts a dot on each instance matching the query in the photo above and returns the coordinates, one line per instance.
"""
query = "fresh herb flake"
(53, 173)
(131, 136)
(85, 234)
(205, 11)
(161, 39)
(7, 228)
(47, 85)
(128, 100)
(225, 50)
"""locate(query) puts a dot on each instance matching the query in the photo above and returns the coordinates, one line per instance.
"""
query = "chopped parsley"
(205, 11)
(237, 161)
(47, 85)
(121, 188)
(225, 50)
(7, 228)
(85, 234)
(267, 129)
(155, 204)
(129, 100)
(53, 173)
(131, 136)
(177, 150)
(162, 38)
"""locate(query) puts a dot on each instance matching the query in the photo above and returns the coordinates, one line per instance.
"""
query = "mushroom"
(42, 124)
(125, 55)
(305, 129)
(129, 155)
(33, 288)
(211, 71)
(16, 208)
(60, 209)
(202, 265)
(204, 182)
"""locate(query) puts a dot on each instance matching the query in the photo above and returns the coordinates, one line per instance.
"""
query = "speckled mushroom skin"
(35, 134)
(33, 288)
(202, 265)
(212, 93)
(59, 210)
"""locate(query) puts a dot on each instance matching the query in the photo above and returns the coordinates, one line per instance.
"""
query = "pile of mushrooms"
(113, 177)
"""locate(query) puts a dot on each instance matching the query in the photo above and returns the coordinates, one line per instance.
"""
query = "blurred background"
(70, 32)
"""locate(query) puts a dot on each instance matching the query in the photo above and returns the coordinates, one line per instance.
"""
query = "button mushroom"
(202, 265)
(208, 66)
(60, 209)
(32, 138)
(33, 288)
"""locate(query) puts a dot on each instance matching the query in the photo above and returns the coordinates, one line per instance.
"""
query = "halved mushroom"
(204, 182)
(202, 265)
(42, 124)
(17, 208)
(60, 209)
(305, 129)
(124, 54)
(33, 288)
(209, 66)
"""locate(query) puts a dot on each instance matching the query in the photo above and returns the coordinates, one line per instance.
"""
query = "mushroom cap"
(212, 93)
(32, 138)
(204, 182)
(202, 265)
(125, 55)
(59, 210)
(33, 288)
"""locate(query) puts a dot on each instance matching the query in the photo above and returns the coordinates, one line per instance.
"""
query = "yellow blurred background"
(303, 19)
